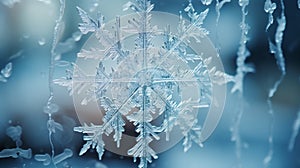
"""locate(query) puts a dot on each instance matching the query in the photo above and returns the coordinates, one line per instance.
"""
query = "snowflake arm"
(94, 140)
(89, 24)
(194, 135)
(113, 119)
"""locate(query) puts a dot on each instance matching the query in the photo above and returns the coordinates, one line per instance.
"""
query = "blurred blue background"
(26, 32)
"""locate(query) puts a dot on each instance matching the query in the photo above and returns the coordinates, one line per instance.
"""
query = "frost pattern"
(295, 133)
(150, 87)
(14, 132)
(5, 73)
(276, 49)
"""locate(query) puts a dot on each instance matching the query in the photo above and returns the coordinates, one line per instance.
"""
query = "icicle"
(276, 49)
(42, 41)
(219, 5)
(242, 70)
(295, 133)
(269, 8)
(51, 107)
(269, 156)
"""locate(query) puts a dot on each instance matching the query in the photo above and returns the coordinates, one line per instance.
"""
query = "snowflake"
(146, 77)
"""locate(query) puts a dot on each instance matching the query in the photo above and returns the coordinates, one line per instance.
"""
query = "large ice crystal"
(146, 82)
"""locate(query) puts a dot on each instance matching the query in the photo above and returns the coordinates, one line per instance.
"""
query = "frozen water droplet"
(100, 165)
(6, 71)
(63, 156)
(269, 6)
(45, 1)
(62, 63)
(76, 36)
(243, 2)
(57, 57)
(2, 79)
(45, 158)
(26, 36)
(42, 41)
(51, 108)
(14, 132)
(206, 2)
(84, 101)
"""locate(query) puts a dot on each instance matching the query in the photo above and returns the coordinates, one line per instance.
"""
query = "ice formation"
(140, 84)
(14, 132)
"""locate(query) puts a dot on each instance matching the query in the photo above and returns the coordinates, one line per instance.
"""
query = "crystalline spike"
(93, 140)
(88, 25)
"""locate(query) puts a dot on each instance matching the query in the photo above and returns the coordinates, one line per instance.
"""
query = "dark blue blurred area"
(26, 26)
